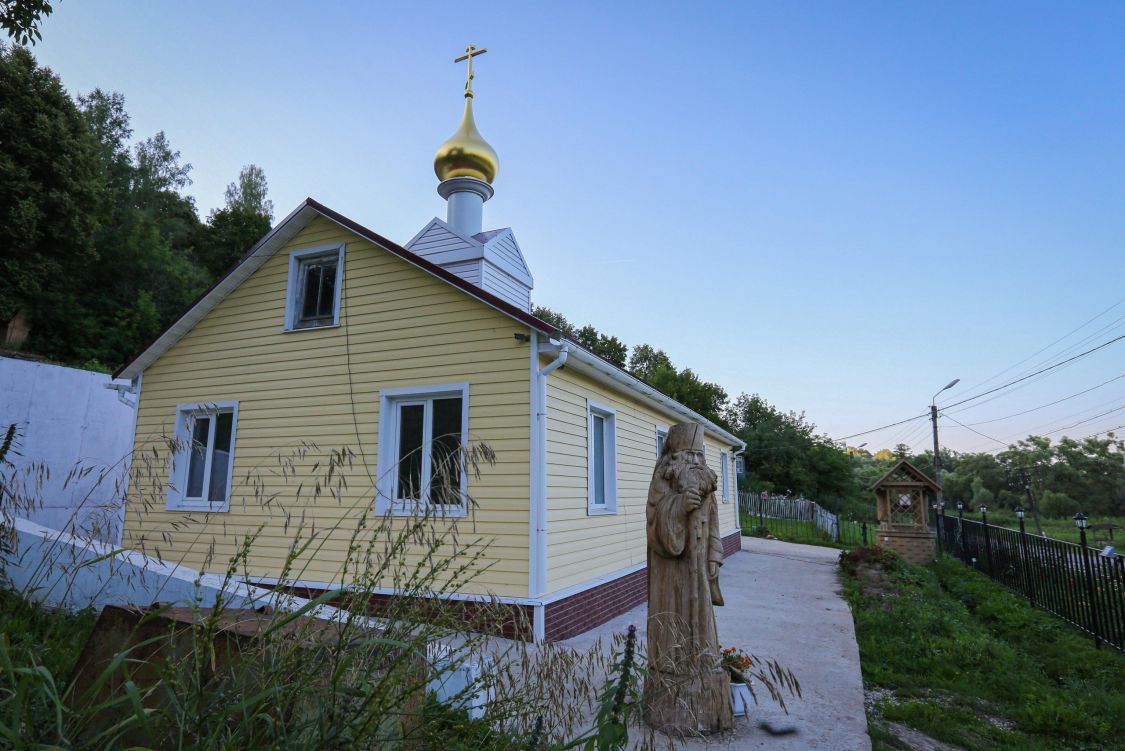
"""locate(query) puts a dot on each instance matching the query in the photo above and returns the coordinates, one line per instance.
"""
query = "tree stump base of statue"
(687, 690)
(681, 705)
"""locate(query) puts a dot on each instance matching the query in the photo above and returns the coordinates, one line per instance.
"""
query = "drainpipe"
(538, 577)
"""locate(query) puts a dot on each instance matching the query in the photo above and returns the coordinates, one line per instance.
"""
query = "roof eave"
(609, 374)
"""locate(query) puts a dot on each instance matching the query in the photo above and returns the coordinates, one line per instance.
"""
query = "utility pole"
(937, 454)
(937, 450)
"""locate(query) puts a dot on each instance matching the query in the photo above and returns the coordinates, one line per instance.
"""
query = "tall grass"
(332, 671)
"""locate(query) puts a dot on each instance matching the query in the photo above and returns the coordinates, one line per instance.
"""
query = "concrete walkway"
(784, 601)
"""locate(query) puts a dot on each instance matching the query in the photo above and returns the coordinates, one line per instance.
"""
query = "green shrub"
(1057, 505)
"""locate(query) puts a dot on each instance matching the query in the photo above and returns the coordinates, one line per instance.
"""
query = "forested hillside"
(99, 247)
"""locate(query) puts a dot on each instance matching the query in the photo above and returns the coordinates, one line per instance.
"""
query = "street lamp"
(933, 419)
(1081, 521)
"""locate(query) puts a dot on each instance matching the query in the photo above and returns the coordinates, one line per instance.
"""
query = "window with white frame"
(204, 462)
(661, 438)
(601, 459)
(422, 432)
(725, 470)
(315, 280)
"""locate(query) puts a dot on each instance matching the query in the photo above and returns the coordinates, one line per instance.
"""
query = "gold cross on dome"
(470, 52)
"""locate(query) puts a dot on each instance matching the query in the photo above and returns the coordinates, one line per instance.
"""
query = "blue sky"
(839, 206)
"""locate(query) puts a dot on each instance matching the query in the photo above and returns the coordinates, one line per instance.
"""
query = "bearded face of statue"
(688, 473)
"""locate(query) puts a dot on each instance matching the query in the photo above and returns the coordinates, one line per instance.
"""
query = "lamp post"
(937, 451)
(1028, 581)
(1081, 521)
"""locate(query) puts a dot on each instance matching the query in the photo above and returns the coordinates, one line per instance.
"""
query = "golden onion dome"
(466, 153)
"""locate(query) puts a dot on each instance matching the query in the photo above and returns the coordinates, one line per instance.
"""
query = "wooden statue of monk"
(687, 691)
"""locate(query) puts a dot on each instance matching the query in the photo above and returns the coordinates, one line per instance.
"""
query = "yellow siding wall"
(582, 547)
(407, 329)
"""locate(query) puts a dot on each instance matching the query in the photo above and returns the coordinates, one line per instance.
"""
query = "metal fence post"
(1025, 561)
(961, 530)
(864, 530)
(1080, 518)
(987, 541)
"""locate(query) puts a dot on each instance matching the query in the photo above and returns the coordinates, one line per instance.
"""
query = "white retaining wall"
(69, 422)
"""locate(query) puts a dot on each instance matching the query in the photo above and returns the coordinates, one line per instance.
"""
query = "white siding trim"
(178, 474)
(292, 293)
(609, 458)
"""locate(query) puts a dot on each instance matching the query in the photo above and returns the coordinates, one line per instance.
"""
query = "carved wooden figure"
(687, 691)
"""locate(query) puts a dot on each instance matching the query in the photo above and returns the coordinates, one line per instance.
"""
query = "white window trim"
(610, 470)
(724, 475)
(387, 462)
(661, 432)
(178, 475)
(293, 292)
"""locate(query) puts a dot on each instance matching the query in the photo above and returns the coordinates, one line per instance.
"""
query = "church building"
(325, 332)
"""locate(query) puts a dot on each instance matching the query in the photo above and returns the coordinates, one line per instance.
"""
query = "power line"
(1042, 406)
(1083, 422)
(1044, 349)
(1103, 345)
(982, 435)
(884, 427)
(1100, 432)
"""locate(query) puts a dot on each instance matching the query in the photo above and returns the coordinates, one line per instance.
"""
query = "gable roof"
(910, 470)
(272, 242)
(300, 218)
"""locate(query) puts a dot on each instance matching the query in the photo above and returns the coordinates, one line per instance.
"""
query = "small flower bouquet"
(736, 662)
(767, 673)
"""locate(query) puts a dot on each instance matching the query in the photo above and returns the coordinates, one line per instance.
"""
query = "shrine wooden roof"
(905, 474)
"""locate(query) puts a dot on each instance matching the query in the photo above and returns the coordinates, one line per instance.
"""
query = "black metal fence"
(1072, 581)
(797, 520)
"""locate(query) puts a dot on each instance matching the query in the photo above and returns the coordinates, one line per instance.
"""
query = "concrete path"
(784, 601)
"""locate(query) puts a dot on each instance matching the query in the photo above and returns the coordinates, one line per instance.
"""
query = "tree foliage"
(785, 454)
(652, 366)
(1062, 477)
(21, 19)
(99, 247)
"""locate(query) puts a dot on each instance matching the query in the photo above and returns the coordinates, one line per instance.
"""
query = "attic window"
(315, 280)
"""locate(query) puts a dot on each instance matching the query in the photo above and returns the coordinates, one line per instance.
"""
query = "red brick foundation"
(592, 607)
(563, 618)
(916, 546)
(580, 612)
(502, 619)
(732, 544)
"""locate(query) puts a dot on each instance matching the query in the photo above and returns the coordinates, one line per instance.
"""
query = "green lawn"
(1060, 529)
(968, 663)
(803, 532)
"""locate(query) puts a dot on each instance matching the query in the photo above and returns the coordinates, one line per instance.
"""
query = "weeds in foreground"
(326, 671)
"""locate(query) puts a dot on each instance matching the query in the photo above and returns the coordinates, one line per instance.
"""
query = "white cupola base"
(465, 197)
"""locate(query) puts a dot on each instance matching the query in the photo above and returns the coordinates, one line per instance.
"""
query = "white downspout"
(537, 575)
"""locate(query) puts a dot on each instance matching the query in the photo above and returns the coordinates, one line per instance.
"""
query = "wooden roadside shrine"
(902, 497)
